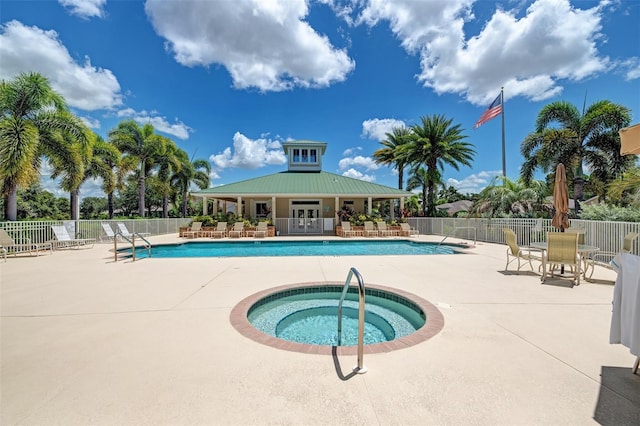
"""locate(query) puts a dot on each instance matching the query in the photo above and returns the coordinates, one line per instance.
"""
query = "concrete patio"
(86, 341)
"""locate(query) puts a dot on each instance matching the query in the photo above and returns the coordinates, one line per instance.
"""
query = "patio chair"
(9, 246)
(64, 240)
(347, 231)
(562, 249)
(407, 231)
(369, 229)
(108, 233)
(383, 231)
(605, 258)
(261, 230)
(519, 253)
(194, 230)
(237, 230)
(125, 232)
(220, 231)
(578, 231)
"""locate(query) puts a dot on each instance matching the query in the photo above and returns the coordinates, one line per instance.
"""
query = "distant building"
(308, 197)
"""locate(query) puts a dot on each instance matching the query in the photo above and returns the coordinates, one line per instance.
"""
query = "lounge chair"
(383, 231)
(109, 234)
(125, 232)
(407, 231)
(237, 230)
(347, 231)
(9, 246)
(519, 253)
(194, 230)
(369, 229)
(605, 258)
(562, 249)
(220, 231)
(64, 240)
(261, 230)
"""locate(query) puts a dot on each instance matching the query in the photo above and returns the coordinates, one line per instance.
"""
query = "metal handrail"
(453, 232)
(360, 368)
(131, 241)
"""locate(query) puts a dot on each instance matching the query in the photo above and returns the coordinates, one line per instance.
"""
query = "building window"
(262, 210)
(304, 155)
(296, 155)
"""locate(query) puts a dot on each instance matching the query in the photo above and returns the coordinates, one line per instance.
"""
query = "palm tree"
(419, 179)
(434, 143)
(590, 138)
(194, 172)
(70, 163)
(629, 184)
(169, 162)
(510, 198)
(34, 123)
(141, 144)
(390, 154)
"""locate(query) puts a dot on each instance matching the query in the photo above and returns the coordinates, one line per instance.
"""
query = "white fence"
(605, 235)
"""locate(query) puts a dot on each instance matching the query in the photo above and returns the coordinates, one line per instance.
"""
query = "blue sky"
(230, 80)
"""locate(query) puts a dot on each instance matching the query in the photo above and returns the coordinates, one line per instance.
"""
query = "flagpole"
(504, 161)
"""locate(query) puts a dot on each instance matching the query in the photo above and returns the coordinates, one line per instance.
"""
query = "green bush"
(611, 213)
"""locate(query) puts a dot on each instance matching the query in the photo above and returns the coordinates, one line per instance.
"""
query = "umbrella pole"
(562, 266)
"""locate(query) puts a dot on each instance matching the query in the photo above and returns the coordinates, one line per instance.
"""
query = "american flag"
(492, 112)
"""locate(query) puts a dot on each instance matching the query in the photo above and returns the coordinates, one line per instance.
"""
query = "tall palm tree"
(434, 143)
(169, 162)
(34, 122)
(71, 162)
(192, 172)
(419, 179)
(142, 144)
(390, 154)
(590, 138)
(629, 184)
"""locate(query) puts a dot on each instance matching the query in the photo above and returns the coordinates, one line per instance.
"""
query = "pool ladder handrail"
(132, 241)
(360, 368)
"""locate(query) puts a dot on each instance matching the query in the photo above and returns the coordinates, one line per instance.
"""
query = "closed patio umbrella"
(630, 140)
(560, 199)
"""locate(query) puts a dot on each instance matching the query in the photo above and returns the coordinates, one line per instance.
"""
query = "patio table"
(583, 249)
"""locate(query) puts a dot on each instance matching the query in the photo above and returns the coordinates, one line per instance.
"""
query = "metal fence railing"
(40, 231)
(606, 235)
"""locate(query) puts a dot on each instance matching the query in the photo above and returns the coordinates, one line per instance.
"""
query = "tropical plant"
(192, 172)
(611, 213)
(590, 138)
(505, 197)
(627, 188)
(434, 143)
(141, 144)
(35, 123)
(169, 162)
(390, 155)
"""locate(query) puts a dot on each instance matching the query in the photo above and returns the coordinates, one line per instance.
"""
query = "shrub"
(609, 212)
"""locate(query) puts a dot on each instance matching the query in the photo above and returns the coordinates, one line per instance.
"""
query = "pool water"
(309, 316)
(297, 248)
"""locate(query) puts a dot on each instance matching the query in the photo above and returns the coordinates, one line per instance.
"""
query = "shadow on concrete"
(619, 397)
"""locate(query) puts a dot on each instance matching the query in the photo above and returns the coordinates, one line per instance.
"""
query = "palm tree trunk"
(184, 204)
(73, 204)
(141, 191)
(11, 204)
(431, 199)
(424, 200)
(110, 204)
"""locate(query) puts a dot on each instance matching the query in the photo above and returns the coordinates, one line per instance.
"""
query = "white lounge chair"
(220, 231)
(237, 230)
(383, 231)
(407, 231)
(261, 230)
(194, 230)
(369, 229)
(64, 240)
(109, 234)
(125, 232)
(347, 231)
(9, 246)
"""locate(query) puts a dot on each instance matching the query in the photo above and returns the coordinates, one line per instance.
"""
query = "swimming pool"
(297, 248)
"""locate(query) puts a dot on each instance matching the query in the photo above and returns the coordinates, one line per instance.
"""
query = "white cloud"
(529, 54)
(378, 128)
(250, 154)
(350, 151)
(85, 8)
(358, 161)
(281, 51)
(31, 49)
(474, 183)
(631, 68)
(353, 173)
(177, 129)
(90, 122)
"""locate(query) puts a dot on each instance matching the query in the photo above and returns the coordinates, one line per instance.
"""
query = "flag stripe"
(492, 112)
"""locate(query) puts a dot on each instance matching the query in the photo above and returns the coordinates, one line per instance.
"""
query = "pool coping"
(239, 320)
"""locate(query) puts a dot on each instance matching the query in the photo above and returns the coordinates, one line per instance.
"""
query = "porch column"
(336, 208)
(215, 207)
(369, 205)
(239, 207)
(392, 208)
(205, 201)
(401, 205)
(273, 210)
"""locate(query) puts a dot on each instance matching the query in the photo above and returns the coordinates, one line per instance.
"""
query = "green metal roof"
(296, 184)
